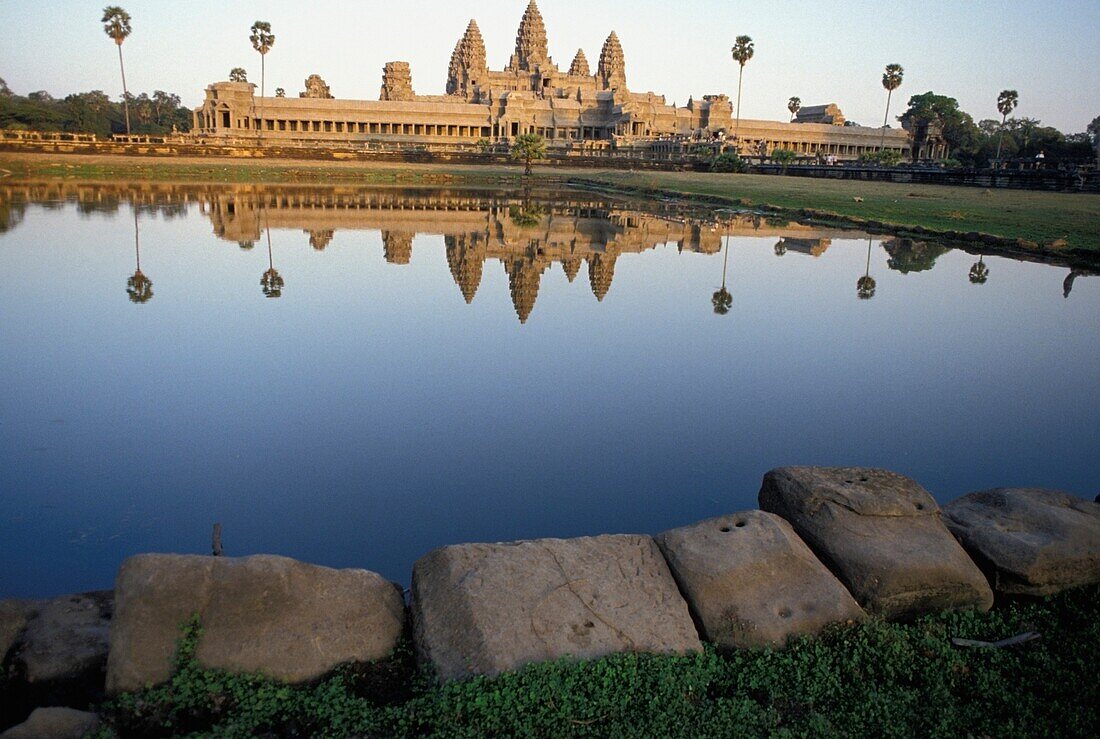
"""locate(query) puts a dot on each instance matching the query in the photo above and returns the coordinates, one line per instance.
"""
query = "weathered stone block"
(752, 582)
(1029, 540)
(488, 608)
(54, 723)
(881, 534)
(272, 615)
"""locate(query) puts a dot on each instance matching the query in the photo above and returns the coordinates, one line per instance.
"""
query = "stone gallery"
(571, 109)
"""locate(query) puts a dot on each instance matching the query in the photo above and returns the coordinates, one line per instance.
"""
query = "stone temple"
(572, 109)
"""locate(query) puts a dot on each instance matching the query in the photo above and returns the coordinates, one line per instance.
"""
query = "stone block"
(54, 723)
(1029, 540)
(482, 609)
(881, 534)
(264, 614)
(752, 582)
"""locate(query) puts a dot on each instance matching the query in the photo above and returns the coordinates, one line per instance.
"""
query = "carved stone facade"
(530, 95)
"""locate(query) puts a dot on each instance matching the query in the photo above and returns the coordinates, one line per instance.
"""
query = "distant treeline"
(92, 112)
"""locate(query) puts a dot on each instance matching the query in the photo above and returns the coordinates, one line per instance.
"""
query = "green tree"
(527, 148)
(784, 157)
(262, 40)
(280, 92)
(865, 285)
(5, 91)
(271, 281)
(891, 80)
(237, 74)
(116, 24)
(928, 112)
(742, 52)
(979, 273)
(139, 288)
(1006, 103)
(722, 300)
(794, 105)
(1093, 132)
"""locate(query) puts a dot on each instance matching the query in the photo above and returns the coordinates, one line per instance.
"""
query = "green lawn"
(875, 679)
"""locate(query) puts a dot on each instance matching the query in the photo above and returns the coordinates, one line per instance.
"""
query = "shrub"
(728, 161)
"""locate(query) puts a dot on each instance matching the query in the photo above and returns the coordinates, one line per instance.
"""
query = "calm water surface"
(404, 370)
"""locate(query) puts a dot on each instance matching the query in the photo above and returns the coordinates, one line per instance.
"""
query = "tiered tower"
(531, 47)
(397, 247)
(601, 270)
(579, 67)
(612, 69)
(468, 67)
(466, 257)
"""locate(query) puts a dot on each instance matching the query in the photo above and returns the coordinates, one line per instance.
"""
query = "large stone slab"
(751, 581)
(881, 534)
(1029, 540)
(265, 614)
(488, 608)
(54, 723)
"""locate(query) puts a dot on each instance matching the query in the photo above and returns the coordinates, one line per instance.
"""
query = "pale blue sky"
(822, 51)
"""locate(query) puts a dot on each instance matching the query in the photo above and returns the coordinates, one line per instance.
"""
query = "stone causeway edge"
(828, 545)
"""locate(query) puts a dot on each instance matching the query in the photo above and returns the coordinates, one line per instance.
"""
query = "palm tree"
(891, 80)
(794, 105)
(780, 248)
(742, 51)
(280, 92)
(138, 287)
(722, 299)
(865, 286)
(262, 40)
(237, 74)
(1006, 103)
(271, 281)
(979, 273)
(116, 24)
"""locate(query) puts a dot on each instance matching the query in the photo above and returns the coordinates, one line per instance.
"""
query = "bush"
(885, 157)
(728, 161)
(870, 679)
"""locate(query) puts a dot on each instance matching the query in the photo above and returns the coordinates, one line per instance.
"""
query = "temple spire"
(579, 67)
(531, 47)
(612, 69)
(468, 66)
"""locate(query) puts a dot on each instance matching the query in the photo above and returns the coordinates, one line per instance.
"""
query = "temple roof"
(531, 46)
(612, 69)
(580, 65)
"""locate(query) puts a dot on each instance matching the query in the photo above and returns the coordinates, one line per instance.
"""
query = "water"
(369, 413)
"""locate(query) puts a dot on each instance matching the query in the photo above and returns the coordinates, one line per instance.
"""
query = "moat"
(352, 377)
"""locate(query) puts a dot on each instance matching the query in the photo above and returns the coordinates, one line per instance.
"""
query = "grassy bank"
(1062, 220)
(873, 679)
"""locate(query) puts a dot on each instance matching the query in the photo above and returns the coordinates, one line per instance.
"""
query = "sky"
(821, 51)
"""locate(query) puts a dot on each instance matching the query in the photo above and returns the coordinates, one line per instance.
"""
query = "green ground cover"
(1061, 220)
(874, 679)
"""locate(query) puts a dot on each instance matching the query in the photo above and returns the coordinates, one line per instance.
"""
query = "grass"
(1048, 219)
(875, 679)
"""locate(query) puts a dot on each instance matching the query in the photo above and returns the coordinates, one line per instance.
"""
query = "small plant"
(527, 148)
(729, 162)
(784, 157)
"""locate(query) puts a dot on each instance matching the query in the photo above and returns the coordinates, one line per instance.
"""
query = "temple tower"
(397, 82)
(465, 257)
(531, 48)
(601, 270)
(612, 69)
(468, 66)
(579, 67)
(397, 247)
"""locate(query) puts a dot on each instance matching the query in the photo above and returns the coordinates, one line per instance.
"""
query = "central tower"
(531, 47)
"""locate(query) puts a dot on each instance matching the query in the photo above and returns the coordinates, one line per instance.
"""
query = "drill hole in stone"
(740, 524)
(784, 612)
(919, 506)
(863, 479)
(589, 625)
(725, 529)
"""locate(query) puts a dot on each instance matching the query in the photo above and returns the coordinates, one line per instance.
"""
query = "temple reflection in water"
(526, 233)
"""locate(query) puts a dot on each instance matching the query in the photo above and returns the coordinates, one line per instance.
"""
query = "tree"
(929, 112)
(794, 105)
(528, 147)
(237, 74)
(280, 92)
(271, 281)
(1093, 131)
(784, 157)
(262, 40)
(742, 52)
(139, 288)
(865, 285)
(5, 91)
(116, 24)
(979, 273)
(891, 80)
(722, 300)
(1006, 103)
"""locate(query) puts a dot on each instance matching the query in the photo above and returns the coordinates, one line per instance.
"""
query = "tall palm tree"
(138, 287)
(1006, 103)
(722, 300)
(262, 40)
(238, 74)
(891, 80)
(742, 51)
(271, 281)
(794, 105)
(865, 286)
(116, 24)
(979, 273)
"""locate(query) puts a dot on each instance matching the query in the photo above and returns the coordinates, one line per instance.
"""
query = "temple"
(531, 94)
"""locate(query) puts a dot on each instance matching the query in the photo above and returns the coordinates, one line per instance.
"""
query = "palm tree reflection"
(865, 285)
(139, 287)
(979, 273)
(271, 281)
(722, 300)
(780, 248)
